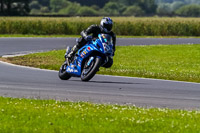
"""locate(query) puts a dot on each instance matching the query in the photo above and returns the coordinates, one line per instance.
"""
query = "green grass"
(31, 35)
(171, 62)
(26, 115)
(77, 36)
(176, 62)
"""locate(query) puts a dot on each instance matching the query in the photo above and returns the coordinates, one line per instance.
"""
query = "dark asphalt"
(27, 45)
(24, 82)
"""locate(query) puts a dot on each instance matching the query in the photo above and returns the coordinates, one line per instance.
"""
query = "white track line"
(33, 68)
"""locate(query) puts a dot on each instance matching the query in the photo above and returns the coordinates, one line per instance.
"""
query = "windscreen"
(107, 39)
(107, 43)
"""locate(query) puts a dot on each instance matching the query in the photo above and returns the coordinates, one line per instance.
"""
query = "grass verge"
(77, 36)
(171, 62)
(30, 35)
(26, 115)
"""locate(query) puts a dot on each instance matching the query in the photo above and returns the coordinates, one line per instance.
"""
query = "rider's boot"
(71, 54)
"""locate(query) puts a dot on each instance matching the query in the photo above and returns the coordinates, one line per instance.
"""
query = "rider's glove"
(88, 38)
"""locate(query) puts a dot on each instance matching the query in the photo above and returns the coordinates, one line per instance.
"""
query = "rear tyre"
(62, 74)
(88, 72)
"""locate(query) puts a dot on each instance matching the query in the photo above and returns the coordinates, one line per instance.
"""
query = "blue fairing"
(98, 47)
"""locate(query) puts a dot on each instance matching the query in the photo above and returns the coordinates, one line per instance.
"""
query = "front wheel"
(62, 74)
(89, 71)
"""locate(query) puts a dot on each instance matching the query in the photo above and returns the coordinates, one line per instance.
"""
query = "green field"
(171, 62)
(127, 26)
(33, 116)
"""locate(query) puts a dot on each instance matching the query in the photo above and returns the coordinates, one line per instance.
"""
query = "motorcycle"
(88, 59)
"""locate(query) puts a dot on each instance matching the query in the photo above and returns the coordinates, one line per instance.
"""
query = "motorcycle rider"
(104, 27)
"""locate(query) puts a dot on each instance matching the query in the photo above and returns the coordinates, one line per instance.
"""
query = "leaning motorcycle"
(88, 59)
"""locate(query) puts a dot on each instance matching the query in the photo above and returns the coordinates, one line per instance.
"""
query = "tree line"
(189, 8)
(14, 7)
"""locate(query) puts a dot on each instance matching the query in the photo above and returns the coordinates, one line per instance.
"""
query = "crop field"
(128, 26)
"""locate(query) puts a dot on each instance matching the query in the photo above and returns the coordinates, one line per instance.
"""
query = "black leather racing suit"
(95, 30)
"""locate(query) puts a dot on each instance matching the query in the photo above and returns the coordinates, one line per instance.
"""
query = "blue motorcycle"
(88, 59)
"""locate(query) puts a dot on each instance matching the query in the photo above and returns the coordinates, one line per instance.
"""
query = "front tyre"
(62, 74)
(89, 71)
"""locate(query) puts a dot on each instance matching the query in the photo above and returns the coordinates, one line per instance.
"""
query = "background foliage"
(129, 26)
(14, 7)
(117, 7)
(189, 8)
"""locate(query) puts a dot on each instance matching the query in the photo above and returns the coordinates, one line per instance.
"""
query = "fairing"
(102, 46)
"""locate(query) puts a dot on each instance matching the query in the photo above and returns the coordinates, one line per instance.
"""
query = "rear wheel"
(89, 71)
(62, 73)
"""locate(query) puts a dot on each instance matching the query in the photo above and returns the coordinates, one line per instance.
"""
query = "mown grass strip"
(32, 35)
(77, 36)
(171, 62)
(26, 115)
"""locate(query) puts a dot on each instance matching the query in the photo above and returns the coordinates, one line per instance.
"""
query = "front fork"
(68, 50)
(89, 61)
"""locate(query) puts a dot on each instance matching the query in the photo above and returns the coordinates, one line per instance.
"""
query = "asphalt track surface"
(23, 82)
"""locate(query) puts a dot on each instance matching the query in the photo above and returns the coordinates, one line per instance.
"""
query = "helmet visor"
(108, 26)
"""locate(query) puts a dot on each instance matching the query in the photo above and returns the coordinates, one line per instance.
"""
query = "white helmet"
(106, 24)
